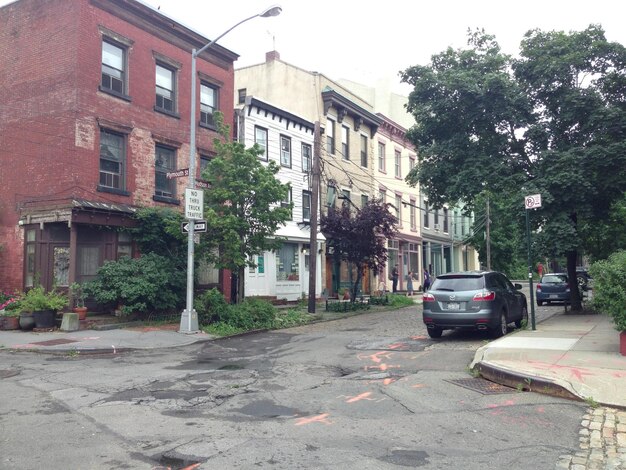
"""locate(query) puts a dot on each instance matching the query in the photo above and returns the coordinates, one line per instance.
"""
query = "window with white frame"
(411, 163)
(287, 203)
(381, 156)
(306, 158)
(412, 214)
(306, 206)
(383, 196)
(285, 151)
(208, 104)
(113, 67)
(397, 158)
(364, 200)
(363, 151)
(345, 142)
(165, 89)
(165, 162)
(112, 160)
(260, 138)
(330, 136)
(399, 208)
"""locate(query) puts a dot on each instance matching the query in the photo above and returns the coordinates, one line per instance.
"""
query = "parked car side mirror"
(518, 286)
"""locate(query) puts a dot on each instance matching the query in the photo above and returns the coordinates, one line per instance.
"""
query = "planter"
(622, 343)
(9, 323)
(82, 312)
(27, 321)
(45, 318)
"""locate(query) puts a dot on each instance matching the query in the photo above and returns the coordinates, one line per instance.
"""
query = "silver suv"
(483, 300)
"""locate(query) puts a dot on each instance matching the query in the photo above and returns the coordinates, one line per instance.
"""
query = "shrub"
(609, 287)
(211, 307)
(37, 299)
(147, 284)
(251, 314)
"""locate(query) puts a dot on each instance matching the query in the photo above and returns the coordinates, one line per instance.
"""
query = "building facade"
(288, 140)
(94, 117)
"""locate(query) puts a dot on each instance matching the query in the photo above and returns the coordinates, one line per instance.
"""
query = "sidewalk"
(568, 355)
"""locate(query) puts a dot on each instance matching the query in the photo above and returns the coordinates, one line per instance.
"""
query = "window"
(411, 163)
(113, 68)
(306, 206)
(165, 163)
(204, 162)
(399, 208)
(124, 245)
(285, 151)
(364, 200)
(364, 151)
(241, 96)
(330, 137)
(396, 160)
(208, 104)
(436, 214)
(260, 138)
(287, 263)
(445, 219)
(287, 203)
(412, 214)
(426, 215)
(165, 91)
(306, 158)
(381, 156)
(345, 143)
(330, 196)
(112, 160)
(31, 238)
(383, 196)
(345, 196)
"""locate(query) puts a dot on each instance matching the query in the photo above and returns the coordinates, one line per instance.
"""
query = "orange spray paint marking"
(418, 386)
(382, 367)
(388, 381)
(419, 337)
(191, 467)
(314, 419)
(398, 346)
(362, 396)
(376, 357)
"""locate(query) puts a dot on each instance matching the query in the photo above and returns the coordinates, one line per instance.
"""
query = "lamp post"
(189, 317)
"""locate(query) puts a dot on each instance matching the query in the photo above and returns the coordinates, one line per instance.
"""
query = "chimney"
(272, 55)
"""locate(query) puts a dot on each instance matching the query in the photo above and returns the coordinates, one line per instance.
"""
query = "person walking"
(394, 279)
(426, 280)
(409, 284)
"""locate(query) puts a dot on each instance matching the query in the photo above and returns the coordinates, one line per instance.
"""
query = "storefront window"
(287, 263)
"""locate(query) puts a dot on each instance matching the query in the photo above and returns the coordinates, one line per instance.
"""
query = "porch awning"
(296, 233)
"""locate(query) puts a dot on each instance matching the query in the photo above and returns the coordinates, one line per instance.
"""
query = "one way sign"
(200, 226)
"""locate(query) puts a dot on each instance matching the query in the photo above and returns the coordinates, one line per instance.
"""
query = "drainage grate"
(482, 386)
(55, 342)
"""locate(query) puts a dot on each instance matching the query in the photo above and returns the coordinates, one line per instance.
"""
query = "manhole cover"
(5, 374)
(55, 342)
(482, 386)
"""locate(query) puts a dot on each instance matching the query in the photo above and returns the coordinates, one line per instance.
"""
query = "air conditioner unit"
(437, 227)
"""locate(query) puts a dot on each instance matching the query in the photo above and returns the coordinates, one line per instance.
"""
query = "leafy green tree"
(243, 208)
(360, 239)
(158, 231)
(552, 122)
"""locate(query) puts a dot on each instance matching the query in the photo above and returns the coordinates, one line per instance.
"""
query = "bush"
(147, 284)
(37, 299)
(211, 307)
(609, 287)
(251, 314)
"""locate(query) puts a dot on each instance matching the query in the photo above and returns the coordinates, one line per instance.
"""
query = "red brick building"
(94, 111)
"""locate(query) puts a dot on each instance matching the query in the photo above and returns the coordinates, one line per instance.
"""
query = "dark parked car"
(553, 288)
(483, 300)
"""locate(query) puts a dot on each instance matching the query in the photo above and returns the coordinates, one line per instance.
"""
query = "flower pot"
(27, 321)
(82, 312)
(45, 318)
(9, 323)
(622, 343)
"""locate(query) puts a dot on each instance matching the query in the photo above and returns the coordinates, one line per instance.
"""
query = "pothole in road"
(411, 344)
(268, 409)
(406, 458)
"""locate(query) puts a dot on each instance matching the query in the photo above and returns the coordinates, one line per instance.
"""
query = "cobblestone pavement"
(602, 442)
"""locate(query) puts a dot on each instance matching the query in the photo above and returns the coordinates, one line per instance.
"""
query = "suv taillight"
(538, 287)
(484, 296)
(428, 297)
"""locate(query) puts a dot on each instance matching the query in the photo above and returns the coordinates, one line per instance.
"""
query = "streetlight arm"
(206, 46)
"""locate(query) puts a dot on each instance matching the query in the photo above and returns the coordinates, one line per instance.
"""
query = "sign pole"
(531, 202)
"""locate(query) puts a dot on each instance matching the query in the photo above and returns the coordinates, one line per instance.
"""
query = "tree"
(243, 207)
(551, 122)
(360, 240)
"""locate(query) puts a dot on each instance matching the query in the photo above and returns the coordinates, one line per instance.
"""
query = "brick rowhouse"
(94, 107)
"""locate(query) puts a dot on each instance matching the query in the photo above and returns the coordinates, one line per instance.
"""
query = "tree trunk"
(241, 273)
(355, 287)
(576, 304)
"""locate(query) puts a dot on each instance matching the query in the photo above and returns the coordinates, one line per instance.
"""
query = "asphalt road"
(366, 392)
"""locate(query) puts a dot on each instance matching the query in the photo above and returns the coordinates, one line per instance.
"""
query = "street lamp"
(189, 317)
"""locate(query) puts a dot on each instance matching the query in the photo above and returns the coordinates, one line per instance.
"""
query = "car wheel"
(524, 320)
(582, 282)
(501, 328)
(435, 332)
(540, 302)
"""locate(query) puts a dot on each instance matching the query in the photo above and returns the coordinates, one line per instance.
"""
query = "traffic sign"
(533, 201)
(194, 203)
(199, 226)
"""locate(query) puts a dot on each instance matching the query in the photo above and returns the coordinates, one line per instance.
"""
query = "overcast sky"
(366, 41)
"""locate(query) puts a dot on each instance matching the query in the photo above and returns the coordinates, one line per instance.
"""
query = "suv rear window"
(554, 278)
(458, 283)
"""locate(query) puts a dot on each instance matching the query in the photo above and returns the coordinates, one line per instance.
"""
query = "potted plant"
(9, 312)
(78, 297)
(43, 305)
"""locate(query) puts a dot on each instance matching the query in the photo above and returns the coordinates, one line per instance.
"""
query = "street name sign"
(199, 226)
(177, 174)
(194, 204)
